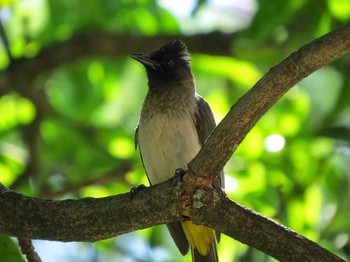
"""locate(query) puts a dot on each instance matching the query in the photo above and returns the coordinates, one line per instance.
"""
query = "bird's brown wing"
(205, 123)
(179, 237)
(204, 119)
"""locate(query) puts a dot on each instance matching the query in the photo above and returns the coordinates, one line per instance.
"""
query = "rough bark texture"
(87, 219)
(256, 230)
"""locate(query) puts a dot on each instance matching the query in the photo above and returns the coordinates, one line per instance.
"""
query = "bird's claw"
(180, 172)
(135, 190)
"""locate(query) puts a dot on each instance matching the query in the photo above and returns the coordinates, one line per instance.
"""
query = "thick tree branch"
(87, 219)
(255, 230)
(93, 219)
(267, 91)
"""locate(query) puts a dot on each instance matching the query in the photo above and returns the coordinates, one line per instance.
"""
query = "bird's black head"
(169, 63)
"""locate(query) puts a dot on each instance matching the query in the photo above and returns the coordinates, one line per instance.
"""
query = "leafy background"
(293, 166)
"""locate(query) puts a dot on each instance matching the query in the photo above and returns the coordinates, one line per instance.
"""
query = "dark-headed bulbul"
(174, 124)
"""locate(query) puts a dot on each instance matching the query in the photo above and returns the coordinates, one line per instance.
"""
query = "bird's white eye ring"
(168, 62)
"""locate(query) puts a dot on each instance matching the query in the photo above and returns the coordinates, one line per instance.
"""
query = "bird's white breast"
(167, 142)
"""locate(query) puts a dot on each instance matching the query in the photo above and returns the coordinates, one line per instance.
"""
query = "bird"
(174, 123)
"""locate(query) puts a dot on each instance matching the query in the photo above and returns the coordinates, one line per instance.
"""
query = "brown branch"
(27, 249)
(256, 230)
(267, 91)
(87, 219)
(92, 219)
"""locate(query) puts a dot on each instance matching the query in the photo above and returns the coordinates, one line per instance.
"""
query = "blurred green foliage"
(9, 251)
(293, 166)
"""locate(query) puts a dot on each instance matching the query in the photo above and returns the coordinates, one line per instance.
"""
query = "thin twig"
(28, 249)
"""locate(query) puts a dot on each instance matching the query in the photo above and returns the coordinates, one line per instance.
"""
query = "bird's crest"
(174, 48)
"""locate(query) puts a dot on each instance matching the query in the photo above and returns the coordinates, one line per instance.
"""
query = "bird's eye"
(168, 62)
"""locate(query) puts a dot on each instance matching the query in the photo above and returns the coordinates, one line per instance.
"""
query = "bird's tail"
(212, 255)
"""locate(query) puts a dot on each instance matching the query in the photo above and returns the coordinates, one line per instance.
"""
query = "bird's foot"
(180, 172)
(135, 190)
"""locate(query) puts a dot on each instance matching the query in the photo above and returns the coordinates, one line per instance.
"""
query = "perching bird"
(174, 124)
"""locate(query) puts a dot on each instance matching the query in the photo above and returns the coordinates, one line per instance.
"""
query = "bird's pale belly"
(167, 143)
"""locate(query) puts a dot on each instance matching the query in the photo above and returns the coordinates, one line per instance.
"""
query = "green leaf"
(9, 251)
(340, 9)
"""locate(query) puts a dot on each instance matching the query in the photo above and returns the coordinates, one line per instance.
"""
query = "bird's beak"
(145, 60)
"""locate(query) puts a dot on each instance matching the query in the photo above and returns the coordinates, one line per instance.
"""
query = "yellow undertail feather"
(199, 237)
